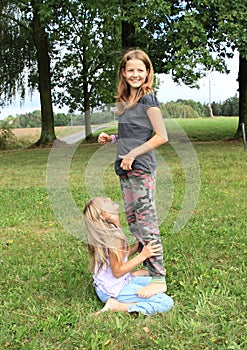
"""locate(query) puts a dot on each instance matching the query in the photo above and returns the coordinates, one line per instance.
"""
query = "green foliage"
(87, 45)
(33, 119)
(178, 110)
(29, 120)
(230, 107)
(187, 38)
(200, 109)
(184, 109)
(17, 53)
(7, 138)
(191, 109)
(177, 39)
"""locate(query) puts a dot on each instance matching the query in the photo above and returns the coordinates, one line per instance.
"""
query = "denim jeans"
(157, 303)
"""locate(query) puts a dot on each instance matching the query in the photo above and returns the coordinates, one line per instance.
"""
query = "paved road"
(71, 139)
(78, 136)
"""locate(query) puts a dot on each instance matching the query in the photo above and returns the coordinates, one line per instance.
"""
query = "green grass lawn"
(47, 299)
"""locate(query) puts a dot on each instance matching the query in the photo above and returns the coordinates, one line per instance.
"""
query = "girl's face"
(108, 206)
(135, 73)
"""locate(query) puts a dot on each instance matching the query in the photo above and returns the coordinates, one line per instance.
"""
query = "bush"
(178, 110)
(7, 138)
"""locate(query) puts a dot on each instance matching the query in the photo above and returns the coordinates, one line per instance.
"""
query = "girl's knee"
(165, 302)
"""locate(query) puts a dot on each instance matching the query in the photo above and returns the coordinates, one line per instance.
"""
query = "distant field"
(60, 130)
(201, 129)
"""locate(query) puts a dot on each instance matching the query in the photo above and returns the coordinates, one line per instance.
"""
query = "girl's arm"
(134, 248)
(159, 138)
(120, 268)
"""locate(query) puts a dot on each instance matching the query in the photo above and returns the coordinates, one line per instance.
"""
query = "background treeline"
(178, 109)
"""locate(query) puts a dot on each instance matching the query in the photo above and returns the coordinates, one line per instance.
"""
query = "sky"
(216, 87)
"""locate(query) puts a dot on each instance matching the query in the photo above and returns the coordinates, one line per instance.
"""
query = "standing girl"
(140, 130)
(114, 283)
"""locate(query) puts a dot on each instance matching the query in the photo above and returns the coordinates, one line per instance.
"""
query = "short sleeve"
(149, 100)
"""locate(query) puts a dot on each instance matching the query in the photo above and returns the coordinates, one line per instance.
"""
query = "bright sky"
(223, 86)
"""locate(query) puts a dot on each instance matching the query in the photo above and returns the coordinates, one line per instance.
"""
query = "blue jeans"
(157, 303)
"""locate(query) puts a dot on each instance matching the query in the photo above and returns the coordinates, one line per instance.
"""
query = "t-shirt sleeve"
(149, 100)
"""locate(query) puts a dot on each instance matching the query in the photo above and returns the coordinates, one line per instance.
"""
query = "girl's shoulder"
(149, 100)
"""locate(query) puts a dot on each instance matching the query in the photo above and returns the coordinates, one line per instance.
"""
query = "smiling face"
(135, 73)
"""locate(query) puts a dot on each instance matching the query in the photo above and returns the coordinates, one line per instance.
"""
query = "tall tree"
(233, 23)
(16, 51)
(23, 29)
(87, 36)
(41, 41)
(201, 35)
(191, 38)
(224, 24)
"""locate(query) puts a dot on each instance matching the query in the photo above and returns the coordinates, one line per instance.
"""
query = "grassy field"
(47, 299)
(201, 129)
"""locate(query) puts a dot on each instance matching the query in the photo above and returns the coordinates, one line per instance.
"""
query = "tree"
(191, 38)
(16, 51)
(87, 39)
(23, 30)
(232, 24)
(224, 28)
(40, 37)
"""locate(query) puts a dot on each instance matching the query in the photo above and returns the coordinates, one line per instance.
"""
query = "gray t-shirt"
(134, 129)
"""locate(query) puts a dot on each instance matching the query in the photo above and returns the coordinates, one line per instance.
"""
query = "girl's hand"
(127, 162)
(151, 249)
(104, 138)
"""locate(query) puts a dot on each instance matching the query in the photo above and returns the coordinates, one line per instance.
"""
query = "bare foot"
(109, 305)
(114, 306)
(152, 289)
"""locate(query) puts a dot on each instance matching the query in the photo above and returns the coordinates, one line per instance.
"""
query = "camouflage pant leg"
(138, 189)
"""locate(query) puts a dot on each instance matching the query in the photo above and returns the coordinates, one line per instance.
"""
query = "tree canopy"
(70, 49)
(86, 53)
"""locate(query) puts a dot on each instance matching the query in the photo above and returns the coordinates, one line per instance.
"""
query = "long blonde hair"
(123, 89)
(102, 236)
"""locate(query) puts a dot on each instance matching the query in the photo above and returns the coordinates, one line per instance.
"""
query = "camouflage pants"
(138, 189)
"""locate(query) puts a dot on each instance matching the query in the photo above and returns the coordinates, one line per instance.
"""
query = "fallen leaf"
(146, 329)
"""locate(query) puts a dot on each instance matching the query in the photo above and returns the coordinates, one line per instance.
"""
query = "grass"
(47, 299)
(209, 129)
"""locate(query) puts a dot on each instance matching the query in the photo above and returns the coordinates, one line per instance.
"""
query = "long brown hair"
(123, 89)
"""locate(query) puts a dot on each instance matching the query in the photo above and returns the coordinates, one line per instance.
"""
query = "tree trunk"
(43, 59)
(86, 99)
(242, 80)
(88, 127)
(128, 29)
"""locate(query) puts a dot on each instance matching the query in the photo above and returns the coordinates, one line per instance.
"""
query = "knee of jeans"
(102, 296)
(165, 302)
